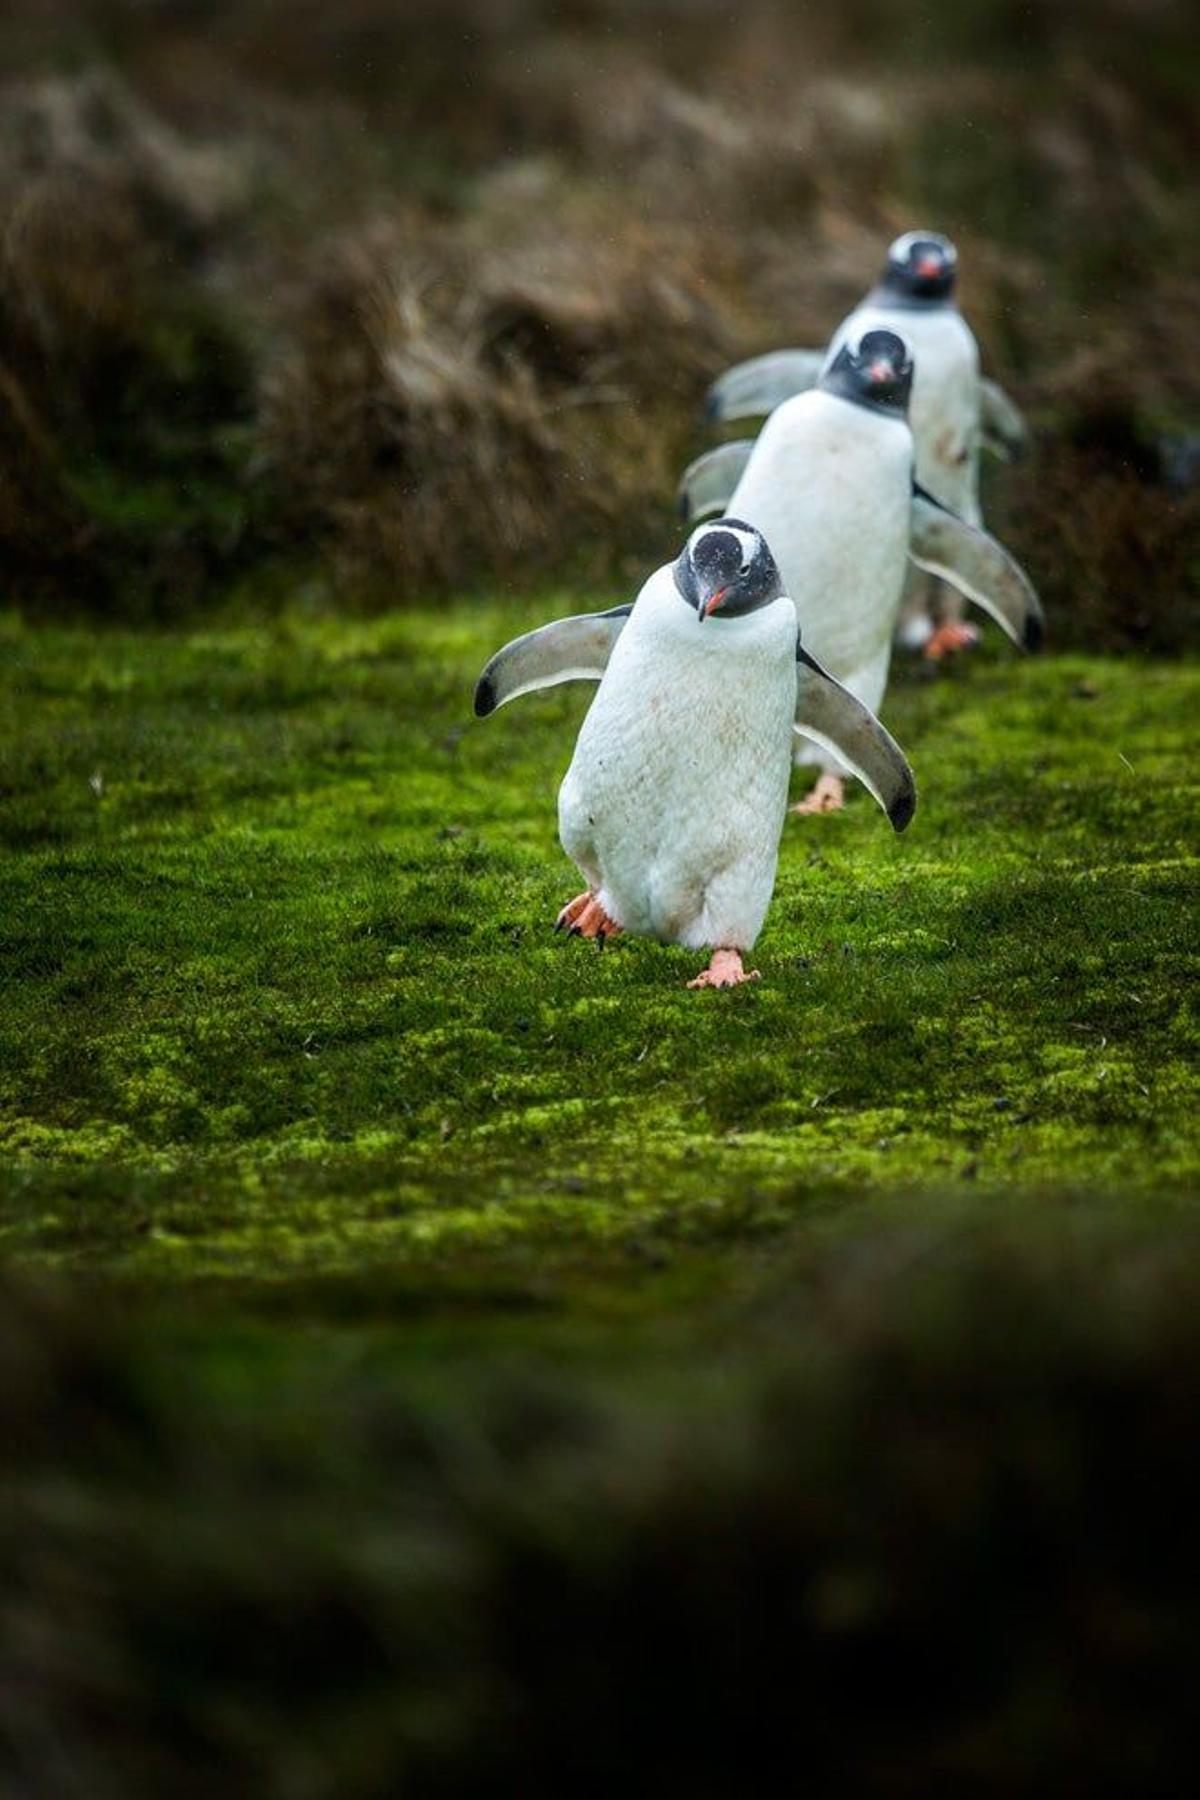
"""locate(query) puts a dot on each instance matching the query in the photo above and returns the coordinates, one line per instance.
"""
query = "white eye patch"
(749, 544)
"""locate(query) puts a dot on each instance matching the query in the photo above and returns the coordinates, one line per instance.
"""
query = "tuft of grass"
(124, 378)
(446, 406)
(282, 993)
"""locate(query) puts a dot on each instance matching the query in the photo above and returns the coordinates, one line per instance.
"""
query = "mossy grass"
(426, 1340)
(282, 993)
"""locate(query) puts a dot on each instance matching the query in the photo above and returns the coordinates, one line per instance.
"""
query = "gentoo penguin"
(953, 408)
(675, 798)
(829, 483)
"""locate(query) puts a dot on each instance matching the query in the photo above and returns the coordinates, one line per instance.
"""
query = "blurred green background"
(435, 1362)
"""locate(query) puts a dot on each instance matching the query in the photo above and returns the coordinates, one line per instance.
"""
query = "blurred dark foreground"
(914, 1515)
(401, 295)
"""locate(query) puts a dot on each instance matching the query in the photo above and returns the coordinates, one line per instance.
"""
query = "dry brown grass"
(445, 409)
(454, 279)
(110, 348)
(99, 202)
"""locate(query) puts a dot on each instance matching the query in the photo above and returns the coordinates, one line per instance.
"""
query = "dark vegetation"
(428, 294)
(441, 1359)
(359, 1550)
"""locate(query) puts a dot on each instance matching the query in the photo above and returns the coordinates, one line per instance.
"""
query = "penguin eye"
(745, 569)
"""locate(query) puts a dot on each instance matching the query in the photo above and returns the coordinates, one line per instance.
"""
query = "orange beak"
(711, 604)
(928, 267)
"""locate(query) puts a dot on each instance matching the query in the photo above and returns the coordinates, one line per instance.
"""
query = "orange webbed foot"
(585, 917)
(949, 639)
(724, 971)
(829, 795)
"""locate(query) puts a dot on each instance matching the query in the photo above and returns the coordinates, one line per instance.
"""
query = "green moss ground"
(426, 1340)
(282, 997)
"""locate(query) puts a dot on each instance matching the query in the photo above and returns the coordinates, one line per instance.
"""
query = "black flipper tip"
(1035, 632)
(902, 809)
(485, 697)
(712, 407)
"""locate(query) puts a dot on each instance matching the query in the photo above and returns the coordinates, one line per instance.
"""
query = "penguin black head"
(921, 267)
(725, 570)
(874, 370)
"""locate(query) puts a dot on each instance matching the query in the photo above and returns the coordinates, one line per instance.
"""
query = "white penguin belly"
(674, 801)
(829, 485)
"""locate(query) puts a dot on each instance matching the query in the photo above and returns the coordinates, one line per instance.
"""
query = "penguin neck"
(894, 297)
(669, 614)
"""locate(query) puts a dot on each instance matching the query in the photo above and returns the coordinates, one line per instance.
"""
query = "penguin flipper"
(575, 649)
(1002, 424)
(972, 561)
(752, 389)
(707, 484)
(830, 715)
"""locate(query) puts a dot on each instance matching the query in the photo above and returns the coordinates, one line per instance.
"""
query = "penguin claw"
(949, 639)
(585, 917)
(571, 911)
